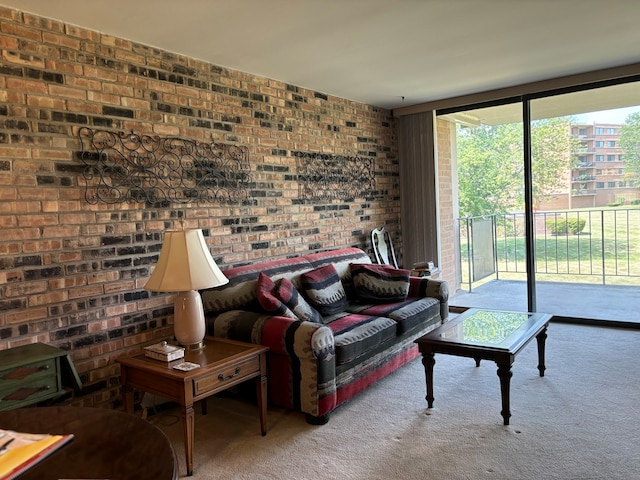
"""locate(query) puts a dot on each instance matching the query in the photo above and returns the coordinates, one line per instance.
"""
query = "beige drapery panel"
(418, 192)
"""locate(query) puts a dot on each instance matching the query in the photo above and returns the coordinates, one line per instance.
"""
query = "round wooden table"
(106, 444)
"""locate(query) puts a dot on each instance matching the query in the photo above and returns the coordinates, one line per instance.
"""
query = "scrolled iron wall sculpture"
(328, 177)
(131, 167)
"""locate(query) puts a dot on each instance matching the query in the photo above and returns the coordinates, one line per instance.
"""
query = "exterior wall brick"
(72, 273)
(447, 213)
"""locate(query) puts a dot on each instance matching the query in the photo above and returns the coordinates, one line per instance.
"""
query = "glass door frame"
(525, 101)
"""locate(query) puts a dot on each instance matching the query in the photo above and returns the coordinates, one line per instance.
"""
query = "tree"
(630, 145)
(491, 165)
(552, 146)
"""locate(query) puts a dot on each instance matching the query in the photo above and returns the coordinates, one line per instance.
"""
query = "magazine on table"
(21, 451)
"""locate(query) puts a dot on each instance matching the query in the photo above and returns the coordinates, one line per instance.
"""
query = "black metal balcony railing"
(590, 246)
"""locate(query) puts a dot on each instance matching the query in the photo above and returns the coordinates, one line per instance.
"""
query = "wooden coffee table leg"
(505, 374)
(188, 424)
(541, 338)
(261, 393)
(428, 360)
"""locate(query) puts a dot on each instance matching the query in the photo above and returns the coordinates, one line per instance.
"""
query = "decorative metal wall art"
(328, 177)
(131, 167)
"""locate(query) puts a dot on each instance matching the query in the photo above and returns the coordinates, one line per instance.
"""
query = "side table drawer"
(224, 376)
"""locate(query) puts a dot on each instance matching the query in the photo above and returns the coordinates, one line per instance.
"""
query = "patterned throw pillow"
(324, 290)
(287, 293)
(379, 283)
(265, 289)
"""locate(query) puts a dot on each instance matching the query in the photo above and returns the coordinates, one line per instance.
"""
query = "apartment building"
(598, 178)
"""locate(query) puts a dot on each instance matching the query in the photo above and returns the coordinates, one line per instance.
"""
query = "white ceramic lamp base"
(189, 325)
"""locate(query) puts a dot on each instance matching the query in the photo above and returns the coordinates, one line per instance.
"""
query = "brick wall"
(446, 204)
(71, 272)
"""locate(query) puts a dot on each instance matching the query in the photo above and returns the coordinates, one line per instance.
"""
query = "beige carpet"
(580, 421)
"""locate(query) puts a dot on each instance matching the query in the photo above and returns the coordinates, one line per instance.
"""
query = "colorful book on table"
(26, 450)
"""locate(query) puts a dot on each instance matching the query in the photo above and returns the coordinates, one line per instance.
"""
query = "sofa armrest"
(426, 287)
(301, 357)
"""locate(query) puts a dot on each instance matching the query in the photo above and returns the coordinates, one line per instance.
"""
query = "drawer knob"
(222, 378)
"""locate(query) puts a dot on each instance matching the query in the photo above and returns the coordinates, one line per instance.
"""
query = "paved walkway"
(572, 300)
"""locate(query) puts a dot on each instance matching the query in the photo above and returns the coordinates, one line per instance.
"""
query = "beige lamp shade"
(185, 265)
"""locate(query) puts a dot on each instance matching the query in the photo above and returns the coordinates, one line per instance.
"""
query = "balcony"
(598, 304)
(587, 263)
(583, 178)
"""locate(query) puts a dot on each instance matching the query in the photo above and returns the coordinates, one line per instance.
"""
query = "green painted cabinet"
(33, 373)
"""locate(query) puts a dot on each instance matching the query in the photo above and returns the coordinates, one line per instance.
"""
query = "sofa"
(334, 322)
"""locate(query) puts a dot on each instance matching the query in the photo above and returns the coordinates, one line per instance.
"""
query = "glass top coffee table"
(486, 335)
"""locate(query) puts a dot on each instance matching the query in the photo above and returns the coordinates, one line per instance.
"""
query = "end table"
(223, 364)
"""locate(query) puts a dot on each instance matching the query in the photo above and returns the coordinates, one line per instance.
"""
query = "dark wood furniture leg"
(428, 360)
(505, 374)
(127, 398)
(541, 338)
(261, 394)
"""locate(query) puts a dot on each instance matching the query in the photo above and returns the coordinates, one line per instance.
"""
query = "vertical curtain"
(418, 193)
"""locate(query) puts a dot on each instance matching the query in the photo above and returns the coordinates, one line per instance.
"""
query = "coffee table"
(486, 335)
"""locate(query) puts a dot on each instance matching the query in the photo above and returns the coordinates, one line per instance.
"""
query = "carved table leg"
(541, 338)
(428, 360)
(505, 374)
(188, 423)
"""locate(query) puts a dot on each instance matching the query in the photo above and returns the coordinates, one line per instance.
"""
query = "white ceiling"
(388, 53)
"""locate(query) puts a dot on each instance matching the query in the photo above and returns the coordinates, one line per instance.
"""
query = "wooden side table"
(223, 363)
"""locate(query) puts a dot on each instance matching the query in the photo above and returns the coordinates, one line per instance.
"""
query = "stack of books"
(424, 269)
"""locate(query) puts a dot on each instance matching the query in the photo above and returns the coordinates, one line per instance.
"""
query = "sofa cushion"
(240, 293)
(355, 335)
(324, 290)
(340, 259)
(265, 289)
(379, 283)
(409, 314)
(288, 294)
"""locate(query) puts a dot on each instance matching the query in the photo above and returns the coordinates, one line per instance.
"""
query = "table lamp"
(185, 266)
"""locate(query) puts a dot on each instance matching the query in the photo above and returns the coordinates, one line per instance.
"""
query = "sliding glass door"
(491, 204)
(549, 203)
(587, 232)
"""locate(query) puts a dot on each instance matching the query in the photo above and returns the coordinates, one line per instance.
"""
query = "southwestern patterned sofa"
(334, 322)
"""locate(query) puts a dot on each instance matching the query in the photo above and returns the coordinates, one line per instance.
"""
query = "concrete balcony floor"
(576, 302)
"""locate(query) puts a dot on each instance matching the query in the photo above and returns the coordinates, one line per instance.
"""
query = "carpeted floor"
(580, 421)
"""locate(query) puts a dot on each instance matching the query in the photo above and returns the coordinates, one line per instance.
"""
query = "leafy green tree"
(551, 152)
(630, 145)
(491, 165)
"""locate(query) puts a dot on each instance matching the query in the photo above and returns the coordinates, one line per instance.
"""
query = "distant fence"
(603, 245)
